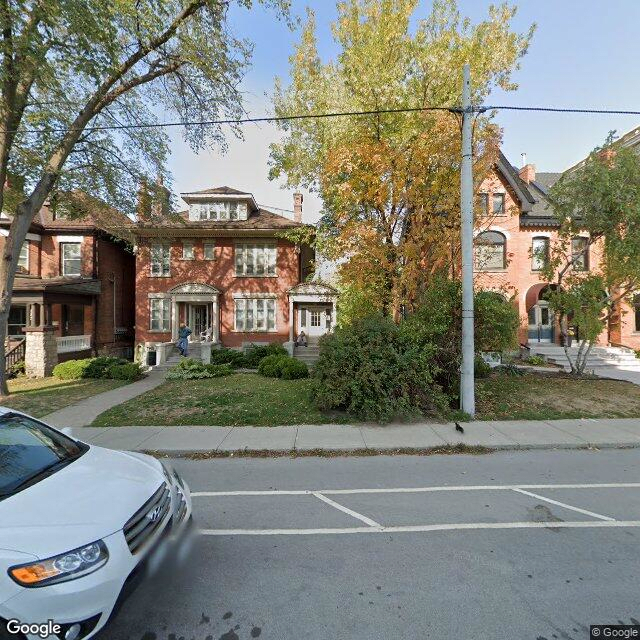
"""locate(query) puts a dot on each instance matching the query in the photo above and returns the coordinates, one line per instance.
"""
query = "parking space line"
(340, 507)
(564, 505)
(581, 524)
(487, 487)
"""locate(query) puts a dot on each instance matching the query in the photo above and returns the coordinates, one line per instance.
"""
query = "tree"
(594, 262)
(390, 182)
(70, 68)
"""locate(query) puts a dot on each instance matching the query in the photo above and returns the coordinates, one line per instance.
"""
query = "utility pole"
(467, 391)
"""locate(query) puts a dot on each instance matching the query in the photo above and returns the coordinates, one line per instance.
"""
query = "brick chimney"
(297, 207)
(528, 173)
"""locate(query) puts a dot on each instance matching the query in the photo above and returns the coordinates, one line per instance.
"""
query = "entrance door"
(199, 319)
(315, 321)
(540, 323)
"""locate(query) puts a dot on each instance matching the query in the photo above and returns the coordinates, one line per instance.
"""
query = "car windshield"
(30, 451)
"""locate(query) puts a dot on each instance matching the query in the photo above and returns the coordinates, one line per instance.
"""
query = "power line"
(335, 114)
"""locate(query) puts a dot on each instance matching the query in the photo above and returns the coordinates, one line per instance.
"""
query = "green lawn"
(547, 397)
(40, 396)
(239, 399)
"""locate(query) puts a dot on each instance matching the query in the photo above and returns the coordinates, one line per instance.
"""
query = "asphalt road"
(316, 557)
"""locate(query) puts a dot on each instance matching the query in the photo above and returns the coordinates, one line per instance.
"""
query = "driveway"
(535, 545)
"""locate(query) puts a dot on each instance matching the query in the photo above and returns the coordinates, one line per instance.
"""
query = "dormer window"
(221, 211)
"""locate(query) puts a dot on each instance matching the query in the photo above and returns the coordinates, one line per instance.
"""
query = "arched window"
(490, 251)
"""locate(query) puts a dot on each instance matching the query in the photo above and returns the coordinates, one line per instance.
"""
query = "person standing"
(183, 339)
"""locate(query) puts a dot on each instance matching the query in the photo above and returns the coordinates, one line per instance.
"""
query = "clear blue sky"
(584, 53)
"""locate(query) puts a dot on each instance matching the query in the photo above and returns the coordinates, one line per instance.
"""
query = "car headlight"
(66, 566)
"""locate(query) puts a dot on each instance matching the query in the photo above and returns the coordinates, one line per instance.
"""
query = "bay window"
(160, 314)
(255, 314)
(255, 259)
(160, 260)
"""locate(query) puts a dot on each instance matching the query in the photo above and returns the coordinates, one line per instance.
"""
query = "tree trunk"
(581, 361)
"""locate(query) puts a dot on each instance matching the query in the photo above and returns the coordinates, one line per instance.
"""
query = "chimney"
(528, 173)
(297, 207)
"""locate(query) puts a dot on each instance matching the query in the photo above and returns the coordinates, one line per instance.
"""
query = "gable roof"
(520, 187)
(226, 191)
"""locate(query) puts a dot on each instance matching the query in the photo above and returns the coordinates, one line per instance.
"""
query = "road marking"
(486, 487)
(564, 505)
(340, 507)
(589, 524)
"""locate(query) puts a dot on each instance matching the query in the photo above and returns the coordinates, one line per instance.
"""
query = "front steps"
(618, 357)
(308, 354)
(174, 357)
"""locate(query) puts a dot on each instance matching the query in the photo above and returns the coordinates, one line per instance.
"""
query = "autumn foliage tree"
(390, 181)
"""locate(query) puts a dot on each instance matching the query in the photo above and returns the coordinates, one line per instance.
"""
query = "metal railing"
(67, 344)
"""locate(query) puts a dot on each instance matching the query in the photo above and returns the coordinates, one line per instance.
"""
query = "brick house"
(510, 245)
(224, 268)
(73, 295)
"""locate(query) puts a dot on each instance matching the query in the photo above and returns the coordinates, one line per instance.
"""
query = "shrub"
(72, 369)
(271, 366)
(374, 372)
(481, 368)
(99, 367)
(229, 356)
(16, 369)
(254, 354)
(125, 371)
(292, 369)
(536, 360)
(190, 369)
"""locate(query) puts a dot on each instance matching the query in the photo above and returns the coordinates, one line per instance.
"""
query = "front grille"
(148, 519)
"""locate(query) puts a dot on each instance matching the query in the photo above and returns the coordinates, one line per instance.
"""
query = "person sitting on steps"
(301, 340)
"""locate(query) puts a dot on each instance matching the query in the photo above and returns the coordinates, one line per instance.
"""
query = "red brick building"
(75, 280)
(225, 270)
(511, 242)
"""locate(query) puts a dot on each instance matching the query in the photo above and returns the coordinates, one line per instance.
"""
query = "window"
(187, 249)
(498, 204)
(23, 260)
(256, 259)
(159, 314)
(484, 204)
(490, 251)
(580, 253)
(539, 253)
(218, 211)
(255, 314)
(209, 250)
(314, 316)
(71, 259)
(17, 320)
(636, 312)
(160, 260)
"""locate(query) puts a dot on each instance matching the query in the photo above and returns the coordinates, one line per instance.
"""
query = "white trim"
(540, 234)
(493, 227)
(36, 237)
(158, 295)
(255, 299)
(242, 294)
(71, 239)
(27, 244)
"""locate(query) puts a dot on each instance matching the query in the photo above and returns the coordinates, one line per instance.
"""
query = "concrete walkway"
(87, 410)
(507, 434)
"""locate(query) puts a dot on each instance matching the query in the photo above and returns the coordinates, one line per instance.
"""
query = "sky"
(584, 54)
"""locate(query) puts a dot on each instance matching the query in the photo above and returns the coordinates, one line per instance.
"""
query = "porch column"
(174, 319)
(216, 320)
(291, 327)
(41, 351)
(334, 315)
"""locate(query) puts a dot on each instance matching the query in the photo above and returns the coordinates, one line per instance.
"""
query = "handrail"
(15, 354)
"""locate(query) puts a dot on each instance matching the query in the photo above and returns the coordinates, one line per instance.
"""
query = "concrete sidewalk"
(87, 410)
(507, 434)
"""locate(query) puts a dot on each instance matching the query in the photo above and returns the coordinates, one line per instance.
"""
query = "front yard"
(250, 399)
(40, 396)
(239, 399)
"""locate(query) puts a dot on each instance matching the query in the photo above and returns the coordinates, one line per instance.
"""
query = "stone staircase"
(173, 358)
(619, 358)
(308, 354)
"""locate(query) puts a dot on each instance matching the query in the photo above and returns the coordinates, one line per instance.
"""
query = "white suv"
(79, 526)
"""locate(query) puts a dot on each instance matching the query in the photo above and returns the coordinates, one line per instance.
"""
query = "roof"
(258, 220)
(77, 285)
(227, 191)
(521, 188)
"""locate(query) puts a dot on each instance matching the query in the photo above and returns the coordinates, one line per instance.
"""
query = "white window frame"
(188, 250)
(257, 309)
(250, 256)
(23, 258)
(211, 244)
(500, 196)
(219, 211)
(537, 262)
(164, 321)
(64, 259)
(160, 267)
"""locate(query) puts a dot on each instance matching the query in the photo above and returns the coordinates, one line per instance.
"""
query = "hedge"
(100, 367)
